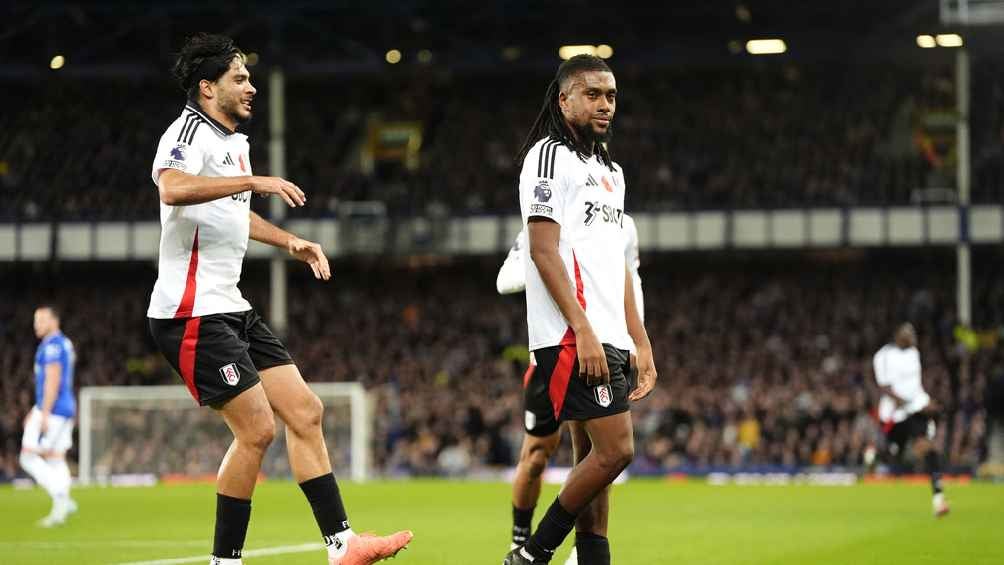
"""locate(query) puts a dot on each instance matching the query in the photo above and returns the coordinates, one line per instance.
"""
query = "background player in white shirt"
(581, 313)
(48, 428)
(224, 352)
(905, 409)
(537, 451)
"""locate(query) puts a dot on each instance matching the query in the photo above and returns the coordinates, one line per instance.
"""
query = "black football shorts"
(219, 355)
(553, 390)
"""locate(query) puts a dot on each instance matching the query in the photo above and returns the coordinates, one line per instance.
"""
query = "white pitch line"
(302, 548)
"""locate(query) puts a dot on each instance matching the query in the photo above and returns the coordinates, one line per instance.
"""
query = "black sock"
(551, 531)
(326, 502)
(232, 517)
(522, 524)
(933, 463)
(592, 549)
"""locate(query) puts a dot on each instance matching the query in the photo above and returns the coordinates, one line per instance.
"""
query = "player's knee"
(536, 460)
(260, 436)
(307, 416)
(617, 458)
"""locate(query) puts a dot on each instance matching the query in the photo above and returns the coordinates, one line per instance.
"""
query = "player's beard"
(232, 109)
(590, 137)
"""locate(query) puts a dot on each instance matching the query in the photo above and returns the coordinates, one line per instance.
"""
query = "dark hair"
(550, 121)
(48, 306)
(204, 56)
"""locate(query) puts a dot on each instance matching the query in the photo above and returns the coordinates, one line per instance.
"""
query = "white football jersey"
(512, 275)
(587, 200)
(202, 246)
(900, 369)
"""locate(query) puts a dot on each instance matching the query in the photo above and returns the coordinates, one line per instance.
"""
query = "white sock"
(339, 544)
(61, 479)
(39, 470)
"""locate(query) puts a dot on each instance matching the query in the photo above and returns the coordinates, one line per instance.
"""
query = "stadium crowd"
(750, 136)
(761, 364)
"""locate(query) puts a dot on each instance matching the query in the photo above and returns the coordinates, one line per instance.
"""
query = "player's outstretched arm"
(178, 188)
(544, 236)
(647, 374)
(307, 251)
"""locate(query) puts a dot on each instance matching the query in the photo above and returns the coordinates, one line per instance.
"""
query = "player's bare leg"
(533, 458)
(302, 411)
(612, 451)
(250, 419)
(591, 544)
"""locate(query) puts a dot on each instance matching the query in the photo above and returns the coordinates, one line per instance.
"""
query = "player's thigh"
(290, 397)
(248, 415)
(58, 437)
(545, 445)
(611, 436)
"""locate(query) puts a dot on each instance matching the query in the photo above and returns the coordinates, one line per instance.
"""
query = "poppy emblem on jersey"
(230, 374)
(178, 153)
(603, 395)
(240, 160)
(606, 184)
(542, 192)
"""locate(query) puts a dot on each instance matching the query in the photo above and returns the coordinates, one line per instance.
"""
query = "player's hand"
(592, 359)
(275, 185)
(311, 254)
(43, 426)
(647, 374)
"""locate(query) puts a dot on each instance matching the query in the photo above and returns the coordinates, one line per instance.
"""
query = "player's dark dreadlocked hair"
(550, 121)
(204, 56)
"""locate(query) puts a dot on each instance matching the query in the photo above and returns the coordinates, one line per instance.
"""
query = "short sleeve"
(543, 188)
(52, 353)
(179, 151)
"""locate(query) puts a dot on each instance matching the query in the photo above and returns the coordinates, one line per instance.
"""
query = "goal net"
(160, 431)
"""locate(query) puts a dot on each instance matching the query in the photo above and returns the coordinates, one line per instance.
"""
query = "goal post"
(161, 431)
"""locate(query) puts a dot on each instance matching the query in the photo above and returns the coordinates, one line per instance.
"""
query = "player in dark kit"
(224, 352)
(581, 312)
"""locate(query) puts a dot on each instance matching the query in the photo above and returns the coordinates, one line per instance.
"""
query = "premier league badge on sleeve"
(603, 395)
(178, 153)
(542, 192)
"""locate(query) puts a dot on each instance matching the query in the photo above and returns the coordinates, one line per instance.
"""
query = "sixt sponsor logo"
(607, 213)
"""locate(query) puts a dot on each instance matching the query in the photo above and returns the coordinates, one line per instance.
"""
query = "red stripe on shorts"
(186, 355)
(562, 374)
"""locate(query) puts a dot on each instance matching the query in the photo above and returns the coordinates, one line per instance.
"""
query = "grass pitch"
(464, 523)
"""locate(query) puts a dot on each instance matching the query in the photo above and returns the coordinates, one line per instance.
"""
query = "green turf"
(461, 523)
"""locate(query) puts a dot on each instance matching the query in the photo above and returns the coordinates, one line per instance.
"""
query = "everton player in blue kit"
(48, 429)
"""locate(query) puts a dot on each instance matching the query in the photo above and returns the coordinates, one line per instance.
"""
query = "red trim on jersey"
(188, 298)
(186, 355)
(580, 295)
(561, 376)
